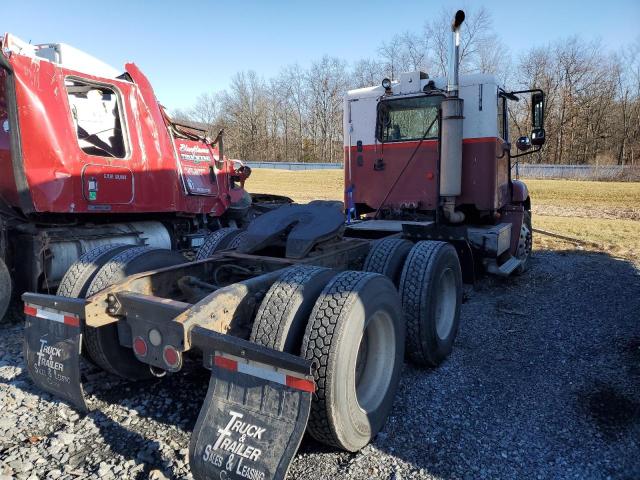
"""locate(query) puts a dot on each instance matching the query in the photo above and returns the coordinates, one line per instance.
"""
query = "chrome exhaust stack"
(451, 138)
(454, 54)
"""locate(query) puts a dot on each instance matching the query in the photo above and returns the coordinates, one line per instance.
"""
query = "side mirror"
(523, 143)
(538, 137)
(537, 119)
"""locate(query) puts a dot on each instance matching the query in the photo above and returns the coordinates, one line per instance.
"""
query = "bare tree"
(390, 53)
(480, 47)
(592, 96)
(327, 81)
(367, 72)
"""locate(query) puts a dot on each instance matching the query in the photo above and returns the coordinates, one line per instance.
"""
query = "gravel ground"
(544, 382)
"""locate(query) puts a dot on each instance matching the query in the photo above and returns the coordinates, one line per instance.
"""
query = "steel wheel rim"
(524, 243)
(373, 368)
(446, 300)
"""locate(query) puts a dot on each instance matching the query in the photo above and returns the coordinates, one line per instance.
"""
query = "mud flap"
(252, 420)
(52, 344)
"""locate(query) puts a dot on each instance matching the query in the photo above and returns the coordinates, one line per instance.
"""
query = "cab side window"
(97, 118)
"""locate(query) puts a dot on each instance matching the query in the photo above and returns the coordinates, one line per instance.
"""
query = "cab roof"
(60, 53)
(440, 82)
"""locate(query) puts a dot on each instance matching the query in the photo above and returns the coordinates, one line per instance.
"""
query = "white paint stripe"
(262, 370)
(48, 315)
(263, 373)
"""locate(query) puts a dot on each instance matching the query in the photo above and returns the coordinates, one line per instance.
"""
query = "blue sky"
(190, 47)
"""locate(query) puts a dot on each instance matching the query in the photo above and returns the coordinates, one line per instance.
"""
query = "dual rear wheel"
(350, 326)
(356, 328)
(227, 238)
(104, 266)
(429, 280)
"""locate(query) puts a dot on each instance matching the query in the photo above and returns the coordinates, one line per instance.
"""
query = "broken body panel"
(94, 144)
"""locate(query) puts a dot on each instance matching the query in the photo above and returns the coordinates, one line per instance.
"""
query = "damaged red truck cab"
(96, 143)
(84, 145)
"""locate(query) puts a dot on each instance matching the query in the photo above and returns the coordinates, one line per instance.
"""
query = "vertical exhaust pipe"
(451, 138)
(454, 54)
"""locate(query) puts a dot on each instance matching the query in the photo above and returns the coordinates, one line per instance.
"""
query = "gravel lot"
(544, 382)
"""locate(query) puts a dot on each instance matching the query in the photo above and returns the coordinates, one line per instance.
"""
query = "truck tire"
(216, 241)
(235, 243)
(355, 339)
(284, 312)
(525, 242)
(6, 293)
(78, 277)
(431, 292)
(387, 257)
(102, 342)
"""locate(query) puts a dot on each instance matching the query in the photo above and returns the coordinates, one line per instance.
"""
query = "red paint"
(371, 186)
(485, 177)
(107, 184)
(58, 171)
(7, 185)
(225, 363)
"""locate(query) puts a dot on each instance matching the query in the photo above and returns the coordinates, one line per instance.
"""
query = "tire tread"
(417, 269)
(81, 271)
(383, 253)
(216, 241)
(327, 313)
(269, 325)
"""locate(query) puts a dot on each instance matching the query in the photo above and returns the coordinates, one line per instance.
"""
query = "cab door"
(196, 165)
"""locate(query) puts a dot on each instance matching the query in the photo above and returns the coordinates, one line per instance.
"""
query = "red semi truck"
(89, 158)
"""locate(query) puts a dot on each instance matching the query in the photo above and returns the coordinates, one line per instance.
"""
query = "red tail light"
(171, 356)
(140, 347)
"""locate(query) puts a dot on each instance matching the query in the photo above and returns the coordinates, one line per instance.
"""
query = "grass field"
(606, 215)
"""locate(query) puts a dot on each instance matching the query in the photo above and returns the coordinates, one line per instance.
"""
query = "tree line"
(592, 113)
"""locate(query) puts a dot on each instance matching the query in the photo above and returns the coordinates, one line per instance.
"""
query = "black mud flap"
(252, 420)
(52, 343)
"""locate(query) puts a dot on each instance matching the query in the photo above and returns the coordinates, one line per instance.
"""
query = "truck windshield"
(407, 119)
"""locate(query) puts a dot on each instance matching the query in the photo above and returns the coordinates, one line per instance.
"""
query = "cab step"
(505, 269)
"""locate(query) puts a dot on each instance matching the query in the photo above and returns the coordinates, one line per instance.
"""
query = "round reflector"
(171, 356)
(140, 346)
